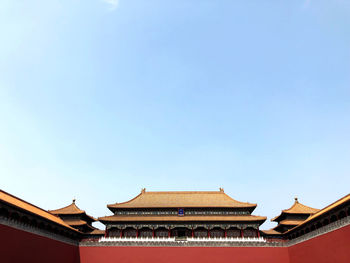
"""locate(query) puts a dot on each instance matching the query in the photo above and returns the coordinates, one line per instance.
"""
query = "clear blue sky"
(101, 98)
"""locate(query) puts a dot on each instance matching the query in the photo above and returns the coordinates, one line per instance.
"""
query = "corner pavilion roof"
(175, 199)
(323, 211)
(75, 222)
(297, 208)
(28, 207)
(71, 209)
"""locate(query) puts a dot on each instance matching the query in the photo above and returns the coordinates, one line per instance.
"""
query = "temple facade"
(196, 214)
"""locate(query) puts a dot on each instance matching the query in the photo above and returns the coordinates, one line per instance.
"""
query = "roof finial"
(221, 189)
(73, 200)
(143, 190)
(296, 199)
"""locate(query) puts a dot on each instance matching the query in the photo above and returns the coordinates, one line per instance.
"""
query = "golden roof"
(71, 209)
(76, 222)
(324, 210)
(19, 203)
(297, 208)
(119, 218)
(182, 199)
(271, 232)
(97, 232)
(291, 222)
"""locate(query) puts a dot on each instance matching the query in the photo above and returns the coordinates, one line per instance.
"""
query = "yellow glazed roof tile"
(181, 199)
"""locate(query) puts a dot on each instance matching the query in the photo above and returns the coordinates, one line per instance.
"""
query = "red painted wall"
(18, 246)
(183, 255)
(328, 248)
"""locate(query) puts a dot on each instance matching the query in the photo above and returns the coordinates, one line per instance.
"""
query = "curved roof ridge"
(181, 199)
(72, 209)
(245, 203)
(300, 208)
(115, 204)
(65, 210)
(184, 192)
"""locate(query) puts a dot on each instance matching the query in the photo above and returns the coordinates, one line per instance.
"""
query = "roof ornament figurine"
(296, 199)
(221, 189)
(143, 190)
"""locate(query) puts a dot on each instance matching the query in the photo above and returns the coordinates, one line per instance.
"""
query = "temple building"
(182, 215)
(292, 217)
(196, 221)
(73, 216)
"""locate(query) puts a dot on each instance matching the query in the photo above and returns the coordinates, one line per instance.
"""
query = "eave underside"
(249, 218)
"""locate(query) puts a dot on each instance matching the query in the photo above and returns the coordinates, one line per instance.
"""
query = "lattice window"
(217, 232)
(233, 232)
(250, 232)
(129, 232)
(162, 232)
(200, 232)
(145, 232)
(114, 232)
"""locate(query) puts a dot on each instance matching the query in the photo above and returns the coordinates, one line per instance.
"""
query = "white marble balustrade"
(189, 239)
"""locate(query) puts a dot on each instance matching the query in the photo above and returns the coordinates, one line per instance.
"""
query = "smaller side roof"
(296, 208)
(71, 209)
(76, 222)
(271, 232)
(97, 232)
(291, 222)
(323, 211)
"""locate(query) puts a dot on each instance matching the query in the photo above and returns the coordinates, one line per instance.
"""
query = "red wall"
(183, 254)
(18, 246)
(328, 248)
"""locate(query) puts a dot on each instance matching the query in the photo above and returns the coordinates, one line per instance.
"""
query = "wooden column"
(225, 232)
(208, 233)
(258, 232)
(153, 232)
(121, 232)
(169, 232)
(241, 232)
(192, 233)
(137, 232)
